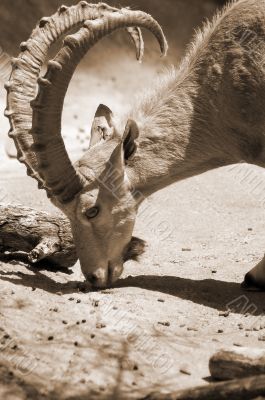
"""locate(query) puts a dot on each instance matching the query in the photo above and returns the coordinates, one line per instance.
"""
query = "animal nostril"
(92, 278)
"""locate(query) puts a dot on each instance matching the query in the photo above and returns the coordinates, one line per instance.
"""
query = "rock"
(224, 313)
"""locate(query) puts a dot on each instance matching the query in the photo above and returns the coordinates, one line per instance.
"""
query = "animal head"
(95, 193)
(103, 213)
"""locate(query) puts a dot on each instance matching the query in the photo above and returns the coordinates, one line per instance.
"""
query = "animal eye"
(92, 212)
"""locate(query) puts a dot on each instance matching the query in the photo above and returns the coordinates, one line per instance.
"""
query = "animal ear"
(102, 127)
(130, 136)
(112, 178)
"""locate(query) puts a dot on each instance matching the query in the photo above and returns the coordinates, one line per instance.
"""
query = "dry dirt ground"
(156, 330)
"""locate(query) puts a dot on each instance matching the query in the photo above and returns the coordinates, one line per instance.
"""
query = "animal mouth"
(105, 278)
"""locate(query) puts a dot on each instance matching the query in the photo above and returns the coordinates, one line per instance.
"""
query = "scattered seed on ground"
(100, 326)
(185, 371)
(164, 323)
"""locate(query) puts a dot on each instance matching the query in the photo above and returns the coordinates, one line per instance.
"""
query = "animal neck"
(177, 139)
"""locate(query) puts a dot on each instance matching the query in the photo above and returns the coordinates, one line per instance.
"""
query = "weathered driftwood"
(32, 235)
(237, 363)
(239, 389)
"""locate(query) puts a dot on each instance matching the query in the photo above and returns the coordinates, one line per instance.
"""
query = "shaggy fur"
(209, 111)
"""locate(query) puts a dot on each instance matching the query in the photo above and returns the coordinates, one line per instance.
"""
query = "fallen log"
(33, 235)
(239, 389)
(237, 363)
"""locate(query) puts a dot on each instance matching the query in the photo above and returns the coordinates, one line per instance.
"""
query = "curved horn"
(54, 164)
(21, 88)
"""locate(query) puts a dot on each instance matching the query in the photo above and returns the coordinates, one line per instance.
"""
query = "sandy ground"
(170, 312)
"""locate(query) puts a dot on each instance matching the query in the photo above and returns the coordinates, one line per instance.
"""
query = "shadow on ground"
(220, 295)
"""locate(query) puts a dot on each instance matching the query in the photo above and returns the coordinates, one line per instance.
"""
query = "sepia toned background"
(156, 330)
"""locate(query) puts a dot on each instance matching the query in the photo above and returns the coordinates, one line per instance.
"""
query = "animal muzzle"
(104, 277)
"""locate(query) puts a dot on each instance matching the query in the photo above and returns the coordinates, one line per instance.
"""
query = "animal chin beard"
(134, 250)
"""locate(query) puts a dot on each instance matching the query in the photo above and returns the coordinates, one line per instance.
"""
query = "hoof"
(251, 285)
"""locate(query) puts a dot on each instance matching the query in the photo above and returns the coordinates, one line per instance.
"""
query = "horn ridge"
(47, 115)
(22, 85)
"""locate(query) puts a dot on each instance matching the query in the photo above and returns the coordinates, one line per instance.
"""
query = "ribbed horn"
(54, 164)
(22, 86)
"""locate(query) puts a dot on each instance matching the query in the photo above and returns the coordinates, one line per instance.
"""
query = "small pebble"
(262, 338)
(64, 322)
(76, 344)
(92, 336)
(191, 328)
(83, 321)
(237, 344)
(220, 331)
(95, 303)
(161, 300)
(224, 313)
(100, 326)
(78, 301)
(50, 338)
(186, 249)
(71, 299)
